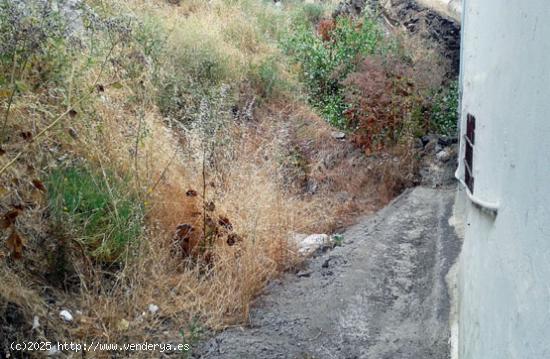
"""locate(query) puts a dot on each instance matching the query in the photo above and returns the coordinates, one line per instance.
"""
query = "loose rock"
(123, 325)
(309, 244)
(153, 308)
(443, 155)
(66, 315)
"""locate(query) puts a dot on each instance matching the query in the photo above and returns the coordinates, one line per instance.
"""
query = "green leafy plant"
(338, 240)
(190, 336)
(327, 57)
(333, 110)
(97, 209)
(444, 112)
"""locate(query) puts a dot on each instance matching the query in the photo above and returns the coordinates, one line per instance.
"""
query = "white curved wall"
(504, 279)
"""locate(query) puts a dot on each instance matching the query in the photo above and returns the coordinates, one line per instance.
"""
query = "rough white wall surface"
(505, 264)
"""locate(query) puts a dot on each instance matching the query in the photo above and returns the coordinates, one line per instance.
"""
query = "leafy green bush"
(333, 109)
(444, 112)
(326, 60)
(97, 209)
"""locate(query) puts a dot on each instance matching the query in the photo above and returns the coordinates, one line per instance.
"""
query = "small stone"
(444, 141)
(153, 308)
(303, 274)
(443, 156)
(66, 315)
(73, 133)
(62, 158)
(311, 186)
(123, 325)
(338, 135)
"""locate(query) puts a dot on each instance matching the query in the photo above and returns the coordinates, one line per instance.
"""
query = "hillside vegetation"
(164, 152)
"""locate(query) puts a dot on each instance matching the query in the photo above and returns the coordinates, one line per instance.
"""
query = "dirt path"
(382, 295)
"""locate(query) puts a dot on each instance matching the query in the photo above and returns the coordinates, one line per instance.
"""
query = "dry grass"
(260, 211)
(430, 66)
(112, 132)
(261, 188)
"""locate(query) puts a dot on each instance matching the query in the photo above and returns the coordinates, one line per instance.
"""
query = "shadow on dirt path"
(382, 295)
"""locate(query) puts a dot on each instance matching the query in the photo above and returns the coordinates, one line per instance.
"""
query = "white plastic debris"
(35, 322)
(54, 351)
(66, 315)
(153, 308)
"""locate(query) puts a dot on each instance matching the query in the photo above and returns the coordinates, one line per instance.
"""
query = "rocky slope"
(435, 20)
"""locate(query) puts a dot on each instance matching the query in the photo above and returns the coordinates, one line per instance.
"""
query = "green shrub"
(313, 13)
(444, 112)
(97, 209)
(324, 64)
(266, 78)
(333, 108)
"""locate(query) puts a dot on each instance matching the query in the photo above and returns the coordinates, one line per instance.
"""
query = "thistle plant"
(25, 31)
(212, 147)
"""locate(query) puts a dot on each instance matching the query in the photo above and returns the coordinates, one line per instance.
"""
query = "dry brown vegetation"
(203, 146)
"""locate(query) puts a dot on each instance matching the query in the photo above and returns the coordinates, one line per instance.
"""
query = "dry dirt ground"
(381, 295)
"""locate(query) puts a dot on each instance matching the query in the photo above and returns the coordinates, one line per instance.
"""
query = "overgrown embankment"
(157, 157)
